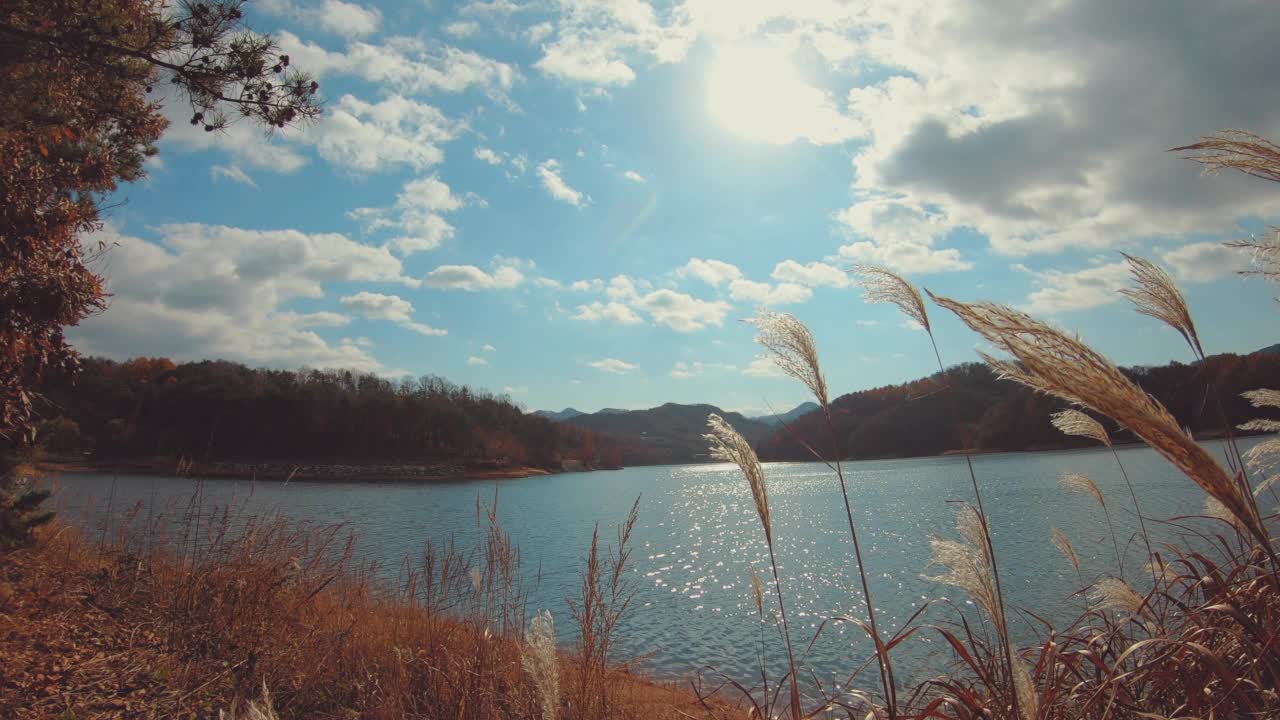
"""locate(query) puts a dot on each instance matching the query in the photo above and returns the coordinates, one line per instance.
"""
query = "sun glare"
(756, 92)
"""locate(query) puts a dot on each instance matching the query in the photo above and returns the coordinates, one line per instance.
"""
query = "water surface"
(698, 537)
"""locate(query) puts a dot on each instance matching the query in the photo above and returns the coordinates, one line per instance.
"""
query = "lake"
(698, 536)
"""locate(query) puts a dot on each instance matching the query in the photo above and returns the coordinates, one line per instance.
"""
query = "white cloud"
(488, 348)
(515, 389)
(595, 41)
(377, 306)
(233, 173)
(712, 272)
(762, 367)
(682, 370)
(1080, 290)
(765, 294)
(406, 65)
(416, 215)
(506, 275)
(334, 16)
(755, 91)
(539, 32)
(1205, 261)
(549, 173)
(1042, 130)
(462, 28)
(613, 312)
(898, 234)
(681, 312)
(586, 285)
(487, 155)
(370, 137)
(613, 365)
(633, 176)
(814, 274)
(477, 361)
(212, 291)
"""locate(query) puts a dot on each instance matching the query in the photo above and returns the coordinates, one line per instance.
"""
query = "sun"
(756, 92)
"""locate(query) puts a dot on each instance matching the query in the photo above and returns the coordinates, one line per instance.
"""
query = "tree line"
(219, 410)
(969, 407)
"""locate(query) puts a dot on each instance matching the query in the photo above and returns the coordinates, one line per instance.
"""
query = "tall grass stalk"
(1156, 295)
(881, 285)
(794, 351)
(1077, 483)
(727, 445)
(1074, 422)
(1053, 362)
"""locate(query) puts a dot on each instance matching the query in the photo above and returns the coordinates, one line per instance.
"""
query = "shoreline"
(400, 472)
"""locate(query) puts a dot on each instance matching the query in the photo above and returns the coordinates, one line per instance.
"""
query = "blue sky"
(576, 202)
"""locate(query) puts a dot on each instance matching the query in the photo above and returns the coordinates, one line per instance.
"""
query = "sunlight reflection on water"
(698, 538)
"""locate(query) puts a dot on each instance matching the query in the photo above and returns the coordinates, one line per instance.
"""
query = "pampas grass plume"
(1075, 482)
(1074, 422)
(881, 285)
(1115, 594)
(1157, 296)
(729, 446)
(1063, 543)
(792, 349)
(1053, 362)
(539, 660)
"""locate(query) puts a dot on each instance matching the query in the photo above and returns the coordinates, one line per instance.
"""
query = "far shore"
(309, 471)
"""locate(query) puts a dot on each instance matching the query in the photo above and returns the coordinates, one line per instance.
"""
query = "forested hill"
(971, 408)
(669, 433)
(149, 407)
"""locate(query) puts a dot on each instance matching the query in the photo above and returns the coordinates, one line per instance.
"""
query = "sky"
(577, 202)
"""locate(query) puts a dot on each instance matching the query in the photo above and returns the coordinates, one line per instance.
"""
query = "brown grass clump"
(195, 629)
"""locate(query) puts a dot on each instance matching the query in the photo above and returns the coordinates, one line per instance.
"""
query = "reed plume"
(1116, 594)
(757, 591)
(728, 445)
(1074, 422)
(967, 564)
(792, 348)
(1157, 296)
(1053, 362)
(1063, 543)
(252, 710)
(1234, 149)
(1077, 483)
(1025, 689)
(881, 285)
(1264, 254)
(794, 352)
(539, 660)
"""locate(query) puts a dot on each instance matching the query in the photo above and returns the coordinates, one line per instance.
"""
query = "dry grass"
(1053, 362)
(191, 629)
(792, 348)
(1238, 150)
(1156, 295)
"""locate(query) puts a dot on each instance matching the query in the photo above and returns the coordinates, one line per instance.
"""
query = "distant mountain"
(1270, 349)
(787, 417)
(670, 433)
(565, 414)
